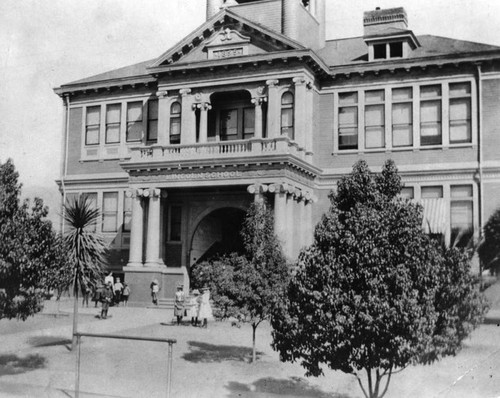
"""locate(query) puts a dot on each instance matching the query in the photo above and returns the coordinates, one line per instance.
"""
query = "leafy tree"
(86, 250)
(248, 286)
(373, 293)
(489, 250)
(30, 250)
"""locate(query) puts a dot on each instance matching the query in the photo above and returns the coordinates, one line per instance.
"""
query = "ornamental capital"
(272, 83)
(162, 94)
(257, 101)
(184, 91)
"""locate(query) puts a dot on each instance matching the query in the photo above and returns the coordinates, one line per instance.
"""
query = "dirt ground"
(215, 362)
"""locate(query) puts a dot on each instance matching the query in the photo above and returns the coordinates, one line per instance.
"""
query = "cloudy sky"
(46, 43)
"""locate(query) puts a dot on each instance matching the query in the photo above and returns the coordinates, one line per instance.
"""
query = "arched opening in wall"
(232, 116)
(217, 234)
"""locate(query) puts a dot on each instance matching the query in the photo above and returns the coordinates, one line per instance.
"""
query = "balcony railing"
(217, 150)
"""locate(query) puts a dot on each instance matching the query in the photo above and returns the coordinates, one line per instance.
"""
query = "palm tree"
(86, 249)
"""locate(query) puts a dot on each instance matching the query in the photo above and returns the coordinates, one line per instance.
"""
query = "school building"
(256, 103)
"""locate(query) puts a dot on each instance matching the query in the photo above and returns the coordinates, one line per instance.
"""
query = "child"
(194, 307)
(179, 304)
(205, 311)
(125, 294)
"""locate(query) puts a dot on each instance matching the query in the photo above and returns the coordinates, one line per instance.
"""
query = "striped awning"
(434, 220)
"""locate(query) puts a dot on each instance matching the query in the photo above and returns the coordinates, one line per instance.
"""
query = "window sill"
(404, 149)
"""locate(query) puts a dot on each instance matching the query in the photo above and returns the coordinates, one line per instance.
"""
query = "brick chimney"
(378, 21)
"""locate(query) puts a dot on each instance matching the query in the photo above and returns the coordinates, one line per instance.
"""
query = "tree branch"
(361, 385)
(370, 386)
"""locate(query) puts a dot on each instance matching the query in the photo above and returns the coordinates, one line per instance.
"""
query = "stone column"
(258, 191)
(136, 231)
(204, 108)
(188, 118)
(300, 224)
(300, 110)
(290, 218)
(279, 213)
(153, 243)
(163, 117)
(309, 232)
(257, 101)
(273, 109)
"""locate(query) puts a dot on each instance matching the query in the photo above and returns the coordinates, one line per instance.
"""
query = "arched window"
(287, 115)
(175, 123)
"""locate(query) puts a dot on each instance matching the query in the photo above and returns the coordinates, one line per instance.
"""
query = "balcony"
(264, 148)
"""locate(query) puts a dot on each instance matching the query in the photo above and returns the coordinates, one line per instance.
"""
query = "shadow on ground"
(48, 341)
(292, 387)
(204, 352)
(11, 364)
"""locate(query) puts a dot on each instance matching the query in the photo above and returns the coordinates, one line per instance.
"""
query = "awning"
(434, 220)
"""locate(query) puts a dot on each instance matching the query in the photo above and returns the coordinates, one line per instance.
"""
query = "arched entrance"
(218, 233)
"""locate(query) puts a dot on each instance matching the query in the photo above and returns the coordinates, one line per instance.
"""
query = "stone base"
(139, 280)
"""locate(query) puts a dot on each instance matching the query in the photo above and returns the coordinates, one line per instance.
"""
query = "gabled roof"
(198, 36)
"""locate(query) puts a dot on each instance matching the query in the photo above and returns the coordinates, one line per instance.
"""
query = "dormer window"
(379, 51)
(396, 49)
(387, 35)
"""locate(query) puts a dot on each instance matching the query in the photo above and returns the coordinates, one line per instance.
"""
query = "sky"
(46, 43)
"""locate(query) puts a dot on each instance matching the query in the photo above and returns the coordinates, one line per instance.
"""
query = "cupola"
(387, 35)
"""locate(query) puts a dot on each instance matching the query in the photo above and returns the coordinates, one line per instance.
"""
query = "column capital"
(257, 101)
(162, 94)
(206, 106)
(272, 82)
(302, 81)
(184, 92)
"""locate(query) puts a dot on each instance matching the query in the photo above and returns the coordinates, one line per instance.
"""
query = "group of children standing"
(196, 306)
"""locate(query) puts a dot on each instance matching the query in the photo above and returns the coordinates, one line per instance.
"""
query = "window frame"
(133, 122)
(175, 119)
(288, 108)
(107, 213)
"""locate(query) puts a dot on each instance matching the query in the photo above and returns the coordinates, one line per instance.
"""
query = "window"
(434, 192)
(113, 116)
(379, 51)
(152, 121)
(460, 113)
(248, 122)
(430, 115)
(402, 117)
(461, 215)
(374, 119)
(348, 120)
(175, 223)
(407, 193)
(396, 49)
(127, 213)
(134, 121)
(92, 200)
(287, 116)
(92, 125)
(175, 123)
(228, 124)
(109, 211)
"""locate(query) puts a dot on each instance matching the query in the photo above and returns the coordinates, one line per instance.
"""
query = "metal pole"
(169, 369)
(77, 381)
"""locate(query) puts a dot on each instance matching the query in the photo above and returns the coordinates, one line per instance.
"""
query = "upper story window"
(443, 113)
(430, 115)
(460, 112)
(134, 121)
(175, 123)
(287, 111)
(380, 51)
(91, 198)
(407, 193)
(127, 213)
(248, 122)
(388, 50)
(374, 119)
(348, 120)
(152, 135)
(113, 118)
(402, 116)
(92, 125)
(175, 223)
(461, 213)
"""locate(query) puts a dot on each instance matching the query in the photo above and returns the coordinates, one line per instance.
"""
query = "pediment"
(226, 35)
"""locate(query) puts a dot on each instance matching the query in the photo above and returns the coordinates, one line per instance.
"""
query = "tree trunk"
(75, 319)
(254, 356)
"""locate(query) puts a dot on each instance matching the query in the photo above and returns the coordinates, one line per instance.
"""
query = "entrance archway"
(218, 233)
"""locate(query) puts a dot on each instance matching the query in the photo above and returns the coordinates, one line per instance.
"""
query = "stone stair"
(165, 303)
